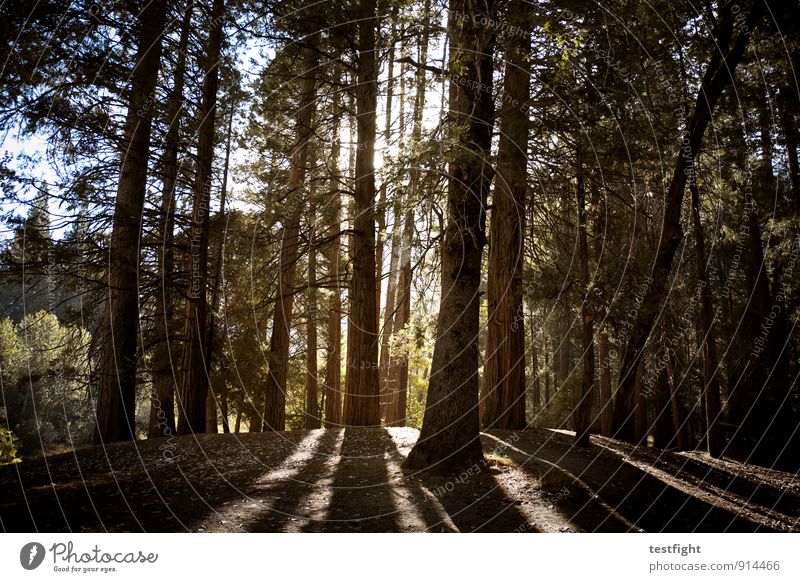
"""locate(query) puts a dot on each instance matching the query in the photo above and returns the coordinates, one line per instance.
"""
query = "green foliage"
(8, 451)
(44, 367)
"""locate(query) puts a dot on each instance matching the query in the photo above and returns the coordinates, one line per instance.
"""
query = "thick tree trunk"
(450, 434)
(194, 363)
(717, 77)
(116, 382)
(362, 396)
(275, 394)
(237, 427)
(502, 403)
(312, 418)
(162, 402)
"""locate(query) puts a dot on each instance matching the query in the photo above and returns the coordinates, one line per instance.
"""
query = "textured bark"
(717, 77)
(389, 312)
(380, 241)
(274, 417)
(502, 403)
(333, 397)
(362, 396)
(194, 362)
(386, 361)
(116, 371)
(162, 404)
(312, 419)
(450, 435)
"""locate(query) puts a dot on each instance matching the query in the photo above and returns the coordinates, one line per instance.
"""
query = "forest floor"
(351, 480)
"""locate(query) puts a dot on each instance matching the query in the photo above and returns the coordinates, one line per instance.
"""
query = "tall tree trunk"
(116, 382)
(162, 404)
(606, 402)
(450, 434)
(278, 357)
(333, 398)
(548, 359)
(194, 381)
(216, 284)
(536, 382)
(708, 347)
(681, 438)
(312, 419)
(380, 241)
(237, 427)
(583, 417)
(362, 397)
(717, 77)
(502, 403)
(386, 362)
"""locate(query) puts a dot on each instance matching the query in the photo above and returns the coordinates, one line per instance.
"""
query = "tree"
(718, 75)
(115, 391)
(503, 390)
(450, 426)
(275, 405)
(362, 396)
(193, 389)
(162, 409)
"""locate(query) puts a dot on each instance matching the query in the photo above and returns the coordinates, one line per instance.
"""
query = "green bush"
(8, 452)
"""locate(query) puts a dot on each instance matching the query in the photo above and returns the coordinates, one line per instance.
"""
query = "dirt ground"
(351, 480)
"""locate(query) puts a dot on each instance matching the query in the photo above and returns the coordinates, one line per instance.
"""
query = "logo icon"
(31, 555)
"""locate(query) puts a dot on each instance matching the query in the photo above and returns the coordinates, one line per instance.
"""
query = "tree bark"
(450, 434)
(502, 403)
(194, 363)
(708, 347)
(116, 382)
(362, 396)
(312, 419)
(274, 417)
(333, 398)
(583, 418)
(717, 77)
(162, 403)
